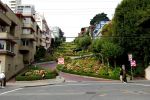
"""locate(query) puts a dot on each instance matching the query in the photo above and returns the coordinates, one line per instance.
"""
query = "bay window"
(2, 43)
(6, 46)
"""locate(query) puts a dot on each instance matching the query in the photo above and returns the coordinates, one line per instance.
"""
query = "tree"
(83, 42)
(40, 53)
(111, 50)
(128, 30)
(99, 17)
(107, 30)
(107, 49)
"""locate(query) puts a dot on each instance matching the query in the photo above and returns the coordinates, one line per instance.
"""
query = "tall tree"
(129, 31)
(99, 17)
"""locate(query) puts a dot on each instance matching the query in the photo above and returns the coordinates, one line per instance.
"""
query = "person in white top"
(2, 79)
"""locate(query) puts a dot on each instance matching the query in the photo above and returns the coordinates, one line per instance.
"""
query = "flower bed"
(36, 73)
(89, 67)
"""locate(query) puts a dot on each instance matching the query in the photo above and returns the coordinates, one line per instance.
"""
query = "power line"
(77, 1)
(115, 37)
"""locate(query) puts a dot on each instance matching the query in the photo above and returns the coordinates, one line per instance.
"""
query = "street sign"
(60, 60)
(133, 63)
(130, 57)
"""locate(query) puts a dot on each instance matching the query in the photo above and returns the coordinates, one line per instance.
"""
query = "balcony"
(24, 49)
(48, 41)
(28, 25)
(4, 19)
(43, 44)
(28, 36)
(5, 52)
(7, 36)
(43, 36)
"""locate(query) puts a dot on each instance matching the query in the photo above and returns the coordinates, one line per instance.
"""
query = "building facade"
(46, 33)
(26, 13)
(12, 4)
(57, 32)
(98, 28)
(10, 39)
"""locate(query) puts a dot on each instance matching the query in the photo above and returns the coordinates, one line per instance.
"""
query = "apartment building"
(26, 13)
(98, 28)
(57, 32)
(12, 4)
(46, 33)
(84, 30)
(10, 39)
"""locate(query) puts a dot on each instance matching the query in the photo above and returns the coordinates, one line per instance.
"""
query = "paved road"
(80, 91)
(77, 78)
(50, 65)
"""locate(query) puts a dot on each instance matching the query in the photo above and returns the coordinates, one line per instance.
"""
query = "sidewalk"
(36, 83)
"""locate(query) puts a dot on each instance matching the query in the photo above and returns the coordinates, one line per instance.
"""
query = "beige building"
(20, 36)
(10, 40)
(29, 37)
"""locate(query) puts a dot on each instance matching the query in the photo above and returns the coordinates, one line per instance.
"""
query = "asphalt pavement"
(84, 90)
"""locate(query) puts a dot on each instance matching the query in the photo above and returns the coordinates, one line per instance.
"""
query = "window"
(27, 20)
(25, 42)
(8, 46)
(12, 1)
(20, 7)
(2, 43)
(26, 31)
(27, 7)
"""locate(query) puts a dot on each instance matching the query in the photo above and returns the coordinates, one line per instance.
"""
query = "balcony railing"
(24, 48)
(28, 36)
(7, 36)
(28, 25)
(5, 52)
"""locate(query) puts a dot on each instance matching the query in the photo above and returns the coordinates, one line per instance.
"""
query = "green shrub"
(103, 71)
(50, 75)
(60, 67)
(115, 73)
(28, 78)
(138, 71)
(67, 59)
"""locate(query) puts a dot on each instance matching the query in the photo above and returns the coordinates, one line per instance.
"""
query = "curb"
(26, 84)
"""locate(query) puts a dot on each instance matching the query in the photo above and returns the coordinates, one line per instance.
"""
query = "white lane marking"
(10, 91)
(83, 84)
(45, 94)
(146, 85)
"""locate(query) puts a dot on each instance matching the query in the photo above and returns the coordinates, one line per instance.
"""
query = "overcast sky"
(72, 15)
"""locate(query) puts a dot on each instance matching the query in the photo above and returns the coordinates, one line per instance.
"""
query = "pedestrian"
(2, 79)
(123, 77)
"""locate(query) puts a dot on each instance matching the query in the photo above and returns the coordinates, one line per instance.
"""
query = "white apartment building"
(46, 35)
(55, 31)
(12, 4)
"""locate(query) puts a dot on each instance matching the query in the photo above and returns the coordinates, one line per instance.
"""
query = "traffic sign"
(60, 60)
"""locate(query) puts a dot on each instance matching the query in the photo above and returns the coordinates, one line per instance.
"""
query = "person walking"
(123, 77)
